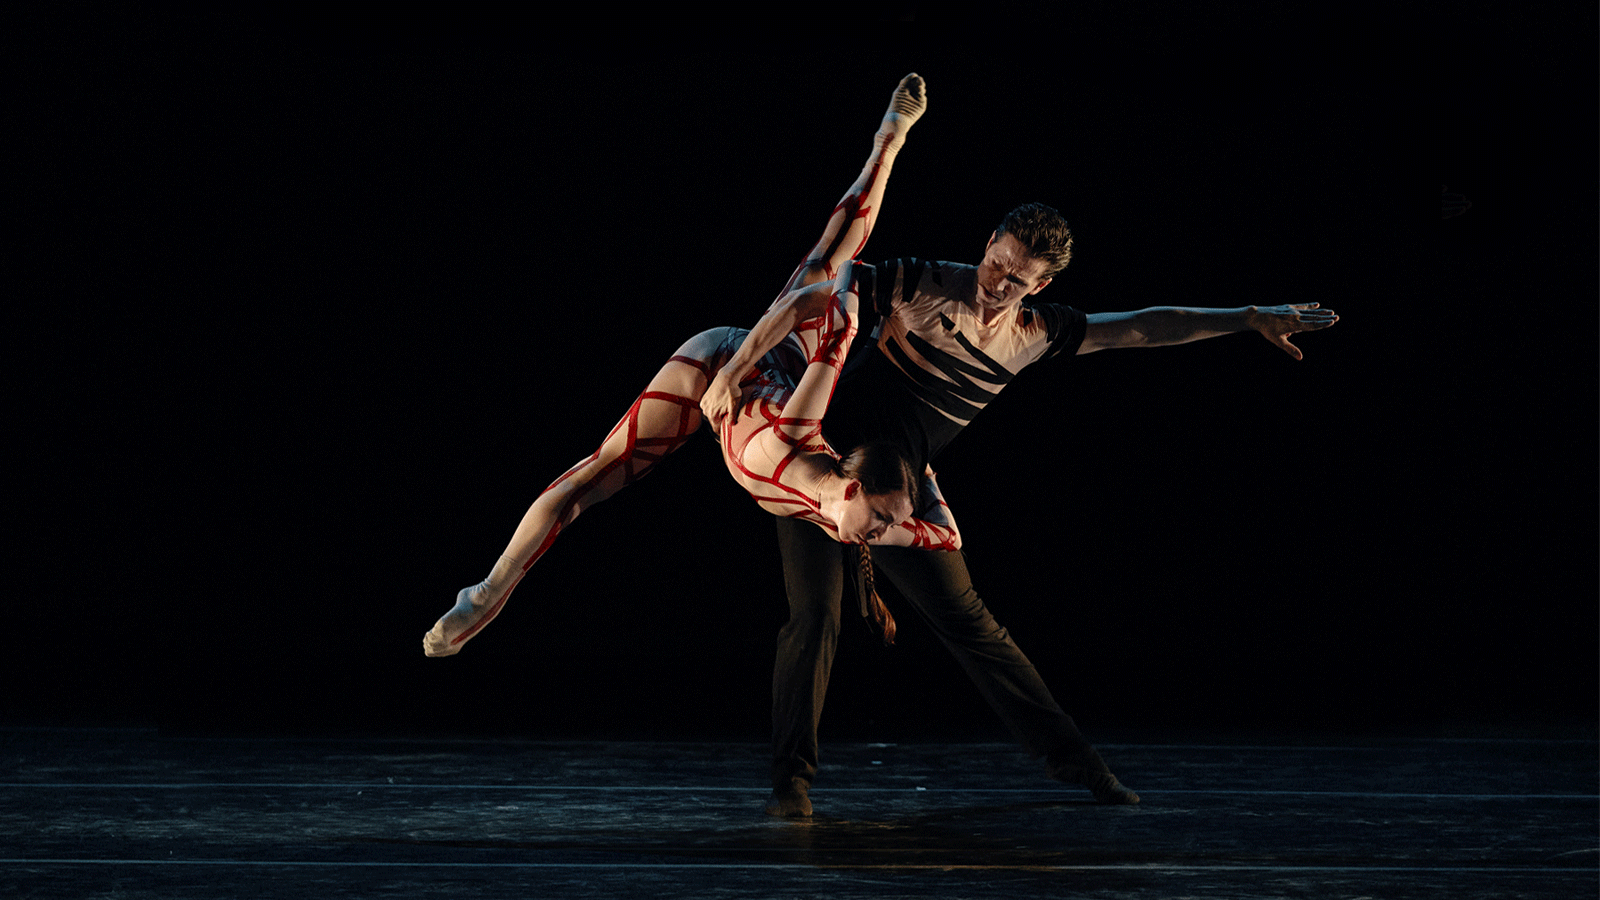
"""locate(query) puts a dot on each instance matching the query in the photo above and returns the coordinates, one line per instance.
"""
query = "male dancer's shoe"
(790, 802)
(1085, 767)
(1107, 789)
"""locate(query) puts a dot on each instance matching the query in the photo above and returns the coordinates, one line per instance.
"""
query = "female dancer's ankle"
(474, 608)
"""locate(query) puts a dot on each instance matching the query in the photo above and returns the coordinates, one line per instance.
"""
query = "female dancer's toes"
(434, 643)
(909, 102)
(905, 107)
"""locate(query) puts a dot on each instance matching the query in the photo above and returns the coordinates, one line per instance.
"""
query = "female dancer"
(772, 442)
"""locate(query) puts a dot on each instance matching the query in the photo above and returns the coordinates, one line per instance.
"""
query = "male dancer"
(946, 338)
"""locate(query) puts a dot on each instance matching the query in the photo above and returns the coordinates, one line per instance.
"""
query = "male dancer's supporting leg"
(813, 570)
(936, 583)
(813, 573)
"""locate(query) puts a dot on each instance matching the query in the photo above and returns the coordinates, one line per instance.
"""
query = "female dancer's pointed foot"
(909, 102)
(466, 616)
(434, 643)
(905, 108)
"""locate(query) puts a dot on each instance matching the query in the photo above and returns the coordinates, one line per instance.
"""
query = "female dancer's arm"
(935, 527)
(825, 340)
(781, 319)
(763, 448)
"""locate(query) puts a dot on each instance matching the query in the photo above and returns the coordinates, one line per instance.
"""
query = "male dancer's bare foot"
(792, 802)
(1081, 764)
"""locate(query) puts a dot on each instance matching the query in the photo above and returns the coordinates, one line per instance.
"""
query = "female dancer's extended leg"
(663, 417)
(668, 412)
(852, 219)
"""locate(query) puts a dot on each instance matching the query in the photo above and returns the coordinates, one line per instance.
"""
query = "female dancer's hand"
(721, 399)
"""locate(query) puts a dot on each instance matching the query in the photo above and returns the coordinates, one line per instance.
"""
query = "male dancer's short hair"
(1043, 232)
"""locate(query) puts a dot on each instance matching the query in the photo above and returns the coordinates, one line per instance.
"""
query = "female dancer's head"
(882, 491)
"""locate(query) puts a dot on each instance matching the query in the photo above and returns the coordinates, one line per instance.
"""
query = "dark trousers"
(936, 584)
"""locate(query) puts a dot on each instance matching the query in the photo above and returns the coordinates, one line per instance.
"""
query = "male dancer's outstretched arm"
(1163, 326)
(1012, 271)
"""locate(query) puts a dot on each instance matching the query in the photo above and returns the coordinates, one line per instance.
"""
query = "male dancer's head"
(1042, 232)
(1029, 247)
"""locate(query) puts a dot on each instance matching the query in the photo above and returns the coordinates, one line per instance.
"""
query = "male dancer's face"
(1007, 274)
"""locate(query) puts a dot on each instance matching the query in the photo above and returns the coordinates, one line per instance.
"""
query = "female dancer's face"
(866, 516)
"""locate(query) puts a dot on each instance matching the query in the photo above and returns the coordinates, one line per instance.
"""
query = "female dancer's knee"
(706, 346)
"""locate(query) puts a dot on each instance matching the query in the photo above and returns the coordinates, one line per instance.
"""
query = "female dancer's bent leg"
(663, 417)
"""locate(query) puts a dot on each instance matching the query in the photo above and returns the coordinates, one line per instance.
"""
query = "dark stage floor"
(135, 814)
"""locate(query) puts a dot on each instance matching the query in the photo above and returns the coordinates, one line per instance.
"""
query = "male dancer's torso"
(933, 365)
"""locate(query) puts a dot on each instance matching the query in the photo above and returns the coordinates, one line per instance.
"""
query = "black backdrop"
(307, 314)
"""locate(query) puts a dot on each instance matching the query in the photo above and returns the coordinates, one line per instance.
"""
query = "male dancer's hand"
(1276, 323)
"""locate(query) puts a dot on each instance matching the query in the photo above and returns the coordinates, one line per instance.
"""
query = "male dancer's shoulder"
(1063, 327)
(912, 280)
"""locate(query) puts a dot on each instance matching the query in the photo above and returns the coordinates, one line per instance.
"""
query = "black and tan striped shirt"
(932, 365)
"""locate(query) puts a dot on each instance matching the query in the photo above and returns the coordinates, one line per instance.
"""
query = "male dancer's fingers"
(1312, 311)
(1316, 319)
(1282, 340)
(1300, 317)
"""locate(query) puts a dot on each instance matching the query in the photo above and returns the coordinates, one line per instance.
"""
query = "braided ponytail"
(873, 609)
(881, 468)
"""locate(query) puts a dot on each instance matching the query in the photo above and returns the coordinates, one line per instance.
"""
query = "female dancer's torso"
(769, 450)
